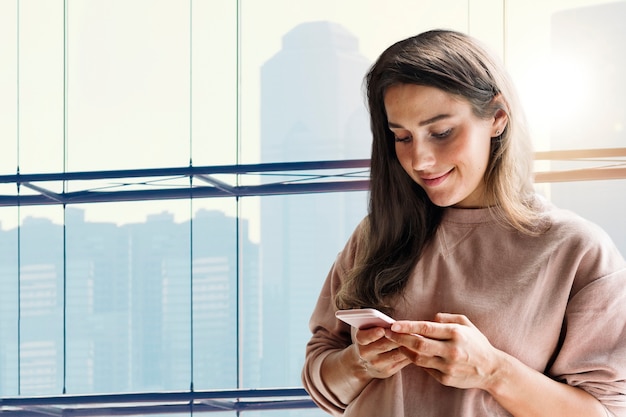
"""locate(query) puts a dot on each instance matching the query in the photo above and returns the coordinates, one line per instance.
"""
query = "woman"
(505, 305)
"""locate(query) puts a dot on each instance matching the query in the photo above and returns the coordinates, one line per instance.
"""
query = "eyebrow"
(423, 122)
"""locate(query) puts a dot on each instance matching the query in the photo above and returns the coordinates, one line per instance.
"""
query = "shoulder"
(574, 241)
(568, 226)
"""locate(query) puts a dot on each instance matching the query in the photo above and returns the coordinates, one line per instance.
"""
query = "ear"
(500, 118)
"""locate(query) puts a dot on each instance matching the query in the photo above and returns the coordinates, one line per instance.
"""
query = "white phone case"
(364, 318)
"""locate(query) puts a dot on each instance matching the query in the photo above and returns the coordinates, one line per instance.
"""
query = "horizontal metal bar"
(580, 154)
(158, 402)
(146, 397)
(142, 410)
(184, 193)
(308, 183)
(583, 174)
(187, 171)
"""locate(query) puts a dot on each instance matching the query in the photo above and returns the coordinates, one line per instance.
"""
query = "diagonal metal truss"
(258, 179)
(186, 182)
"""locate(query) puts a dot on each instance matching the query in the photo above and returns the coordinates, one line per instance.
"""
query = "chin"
(437, 197)
(443, 203)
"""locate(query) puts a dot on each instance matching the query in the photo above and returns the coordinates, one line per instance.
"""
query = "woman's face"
(441, 144)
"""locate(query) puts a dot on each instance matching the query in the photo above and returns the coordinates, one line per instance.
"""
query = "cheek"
(486, 153)
(480, 151)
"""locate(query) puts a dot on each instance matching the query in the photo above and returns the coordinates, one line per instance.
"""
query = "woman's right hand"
(378, 356)
(347, 372)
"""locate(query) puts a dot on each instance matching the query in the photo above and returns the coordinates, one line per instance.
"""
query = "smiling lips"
(434, 181)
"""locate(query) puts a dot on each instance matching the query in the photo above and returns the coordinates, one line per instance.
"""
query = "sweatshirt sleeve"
(328, 333)
(592, 355)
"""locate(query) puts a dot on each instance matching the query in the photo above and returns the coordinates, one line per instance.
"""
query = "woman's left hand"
(450, 348)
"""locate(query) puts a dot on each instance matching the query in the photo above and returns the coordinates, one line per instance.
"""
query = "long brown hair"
(402, 219)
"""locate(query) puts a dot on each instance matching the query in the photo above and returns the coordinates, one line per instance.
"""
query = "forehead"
(421, 102)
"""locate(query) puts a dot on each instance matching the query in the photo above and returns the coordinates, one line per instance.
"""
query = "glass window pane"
(589, 88)
(129, 298)
(41, 301)
(301, 236)
(568, 70)
(128, 87)
(8, 87)
(41, 86)
(8, 301)
(216, 266)
(551, 62)
(214, 66)
(98, 316)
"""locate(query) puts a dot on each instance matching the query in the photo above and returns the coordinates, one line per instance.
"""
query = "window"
(149, 290)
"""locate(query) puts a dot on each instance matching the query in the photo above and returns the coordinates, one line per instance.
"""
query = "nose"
(423, 155)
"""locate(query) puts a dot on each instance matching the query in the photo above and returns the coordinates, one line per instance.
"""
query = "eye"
(404, 139)
(442, 135)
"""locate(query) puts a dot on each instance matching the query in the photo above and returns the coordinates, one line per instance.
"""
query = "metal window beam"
(182, 193)
(157, 402)
(188, 171)
(278, 179)
(274, 179)
(44, 192)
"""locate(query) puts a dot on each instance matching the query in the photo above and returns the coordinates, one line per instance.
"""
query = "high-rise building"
(312, 108)
(162, 299)
(98, 302)
(40, 302)
(8, 312)
(117, 317)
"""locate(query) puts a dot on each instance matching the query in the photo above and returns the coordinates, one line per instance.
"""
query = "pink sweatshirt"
(556, 302)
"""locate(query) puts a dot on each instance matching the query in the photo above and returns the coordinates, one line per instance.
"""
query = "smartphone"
(364, 318)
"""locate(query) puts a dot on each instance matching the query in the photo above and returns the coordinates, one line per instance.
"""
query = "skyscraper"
(109, 308)
(312, 108)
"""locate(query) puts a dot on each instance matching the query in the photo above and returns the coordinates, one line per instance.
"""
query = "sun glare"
(568, 87)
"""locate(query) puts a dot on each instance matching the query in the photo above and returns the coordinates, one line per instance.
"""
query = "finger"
(385, 364)
(453, 318)
(367, 336)
(429, 329)
(388, 359)
(415, 346)
(422, 358)
(369, 351)
(395, 361)
(377, 348)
